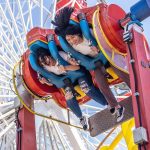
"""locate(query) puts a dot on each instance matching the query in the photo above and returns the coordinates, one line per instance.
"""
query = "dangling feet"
(84, 123)
(119, 111)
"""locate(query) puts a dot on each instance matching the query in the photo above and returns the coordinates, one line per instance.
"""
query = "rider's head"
(44, 58)
(71, 33)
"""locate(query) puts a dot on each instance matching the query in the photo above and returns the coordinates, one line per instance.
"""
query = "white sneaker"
(84, 123)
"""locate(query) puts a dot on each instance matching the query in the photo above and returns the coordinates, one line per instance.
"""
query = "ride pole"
(139, 70)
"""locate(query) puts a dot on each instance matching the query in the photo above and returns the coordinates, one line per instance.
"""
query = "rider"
(46, 61)
(73, 35)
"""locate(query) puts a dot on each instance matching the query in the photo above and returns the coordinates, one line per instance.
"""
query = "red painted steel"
(28, 134)
(78, 4)
(110, 25)
(38, 33)
(141, 55)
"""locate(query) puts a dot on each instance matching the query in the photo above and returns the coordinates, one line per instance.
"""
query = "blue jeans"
(89, 89)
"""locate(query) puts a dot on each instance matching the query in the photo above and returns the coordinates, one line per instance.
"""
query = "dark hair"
(41, 53)
(73, 30)
(62, 18)
(61, 21)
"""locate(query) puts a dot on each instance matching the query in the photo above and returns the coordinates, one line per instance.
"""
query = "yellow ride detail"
(128, 135)
(114, 50)
(125, 133)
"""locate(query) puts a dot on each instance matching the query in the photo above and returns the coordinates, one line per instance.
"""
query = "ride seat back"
(51, 77)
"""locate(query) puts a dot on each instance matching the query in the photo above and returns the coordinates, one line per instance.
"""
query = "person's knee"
(68, 93)
(84, 87)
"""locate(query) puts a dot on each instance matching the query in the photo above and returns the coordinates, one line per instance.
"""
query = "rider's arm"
(69, 68)
(43, 80)
(72, 67)
(68, 58)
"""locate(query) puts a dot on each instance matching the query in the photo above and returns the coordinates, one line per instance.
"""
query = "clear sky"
(126, 4)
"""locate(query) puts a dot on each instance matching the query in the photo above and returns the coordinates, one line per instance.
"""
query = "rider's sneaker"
(120, 113)
(84, 123)
(112, 109)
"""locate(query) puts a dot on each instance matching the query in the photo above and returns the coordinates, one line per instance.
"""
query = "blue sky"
(126, 6)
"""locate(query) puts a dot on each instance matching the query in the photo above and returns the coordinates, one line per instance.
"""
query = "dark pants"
(89, 89)
(104, 85)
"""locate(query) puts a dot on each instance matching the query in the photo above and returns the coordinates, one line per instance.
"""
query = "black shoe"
(84, 123)
(113, 111)
(120, 113)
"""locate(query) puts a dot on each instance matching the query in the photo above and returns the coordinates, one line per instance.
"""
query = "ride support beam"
(139, 70)
(26, 134)
(128, 134)
(27, 140)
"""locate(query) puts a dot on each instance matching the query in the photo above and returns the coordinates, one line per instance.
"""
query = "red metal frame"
(77, 5)
(38, 33)
(28, 133)
(109, 21)
(141, 55)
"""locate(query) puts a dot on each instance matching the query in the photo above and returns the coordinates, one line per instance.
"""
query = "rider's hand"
(44, 81)
(95, 49)
(72, 61)
(62, 68)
